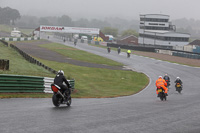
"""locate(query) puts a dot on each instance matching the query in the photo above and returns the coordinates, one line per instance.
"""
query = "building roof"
(195, 42)
(125, 37)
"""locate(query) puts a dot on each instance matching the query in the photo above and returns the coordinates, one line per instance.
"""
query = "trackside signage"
(51, 28)
(69, 29)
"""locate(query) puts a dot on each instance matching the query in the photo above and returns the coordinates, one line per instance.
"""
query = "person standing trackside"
(119, 50)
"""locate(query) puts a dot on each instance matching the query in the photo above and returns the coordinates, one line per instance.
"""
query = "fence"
(18, 83)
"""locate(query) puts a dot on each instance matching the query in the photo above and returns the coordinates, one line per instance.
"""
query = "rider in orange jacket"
(160, 82)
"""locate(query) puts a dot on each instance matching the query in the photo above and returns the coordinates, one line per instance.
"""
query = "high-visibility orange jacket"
(161, 83)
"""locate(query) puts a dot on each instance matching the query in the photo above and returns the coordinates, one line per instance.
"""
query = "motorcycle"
(109, 50)
(128, 55)
(178, 87)
(168, 83)
(161, 94)
(75, 43)
(60, 97)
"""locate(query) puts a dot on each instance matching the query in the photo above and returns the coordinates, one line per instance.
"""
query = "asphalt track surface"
(139, 113)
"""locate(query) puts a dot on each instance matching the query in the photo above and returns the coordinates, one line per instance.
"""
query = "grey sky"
(128, 9)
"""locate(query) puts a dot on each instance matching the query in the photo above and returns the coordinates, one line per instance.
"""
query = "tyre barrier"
(4, 64)
(32, 84)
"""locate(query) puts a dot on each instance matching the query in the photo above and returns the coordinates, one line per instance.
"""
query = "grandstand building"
(155, 29)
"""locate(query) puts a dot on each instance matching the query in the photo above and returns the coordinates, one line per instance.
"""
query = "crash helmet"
(160, 77)
(61, 72)
(177, 77)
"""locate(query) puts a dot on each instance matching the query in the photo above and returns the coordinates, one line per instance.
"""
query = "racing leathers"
(59, 79)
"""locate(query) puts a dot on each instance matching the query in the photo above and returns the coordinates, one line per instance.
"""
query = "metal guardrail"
(19, 38)
(19, 83)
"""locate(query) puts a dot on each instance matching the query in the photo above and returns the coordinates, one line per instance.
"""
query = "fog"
(126, 9)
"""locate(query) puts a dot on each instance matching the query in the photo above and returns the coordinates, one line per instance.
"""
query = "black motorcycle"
(75, 43)
(168, 83)
(161, 94)
(178, 87)
(60, 97)
(109, 50)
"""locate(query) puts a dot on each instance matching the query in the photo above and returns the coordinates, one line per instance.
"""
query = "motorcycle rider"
(75, 41)
(178, 80)
(128, 53)
(119, 50)
(59, 79)
(167, 79)
(108, 49)
(160, 82)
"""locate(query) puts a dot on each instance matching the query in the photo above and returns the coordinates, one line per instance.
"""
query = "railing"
(18, 83)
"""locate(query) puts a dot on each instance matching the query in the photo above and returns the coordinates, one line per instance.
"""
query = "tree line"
(111, 26)
(9, 15)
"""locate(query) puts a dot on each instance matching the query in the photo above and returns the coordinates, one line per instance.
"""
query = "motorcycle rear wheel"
(69, 101)
(56, 101)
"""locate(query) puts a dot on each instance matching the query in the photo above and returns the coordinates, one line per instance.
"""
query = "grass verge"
(89, 82)
(79, 54)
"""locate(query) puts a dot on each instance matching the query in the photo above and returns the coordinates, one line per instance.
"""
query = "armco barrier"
(49, 81)
(18, 83)
(19, 38)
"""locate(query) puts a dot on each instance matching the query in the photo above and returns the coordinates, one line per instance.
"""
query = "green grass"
(18, 65)
(96, 82)
(89, 82)
(79, 54)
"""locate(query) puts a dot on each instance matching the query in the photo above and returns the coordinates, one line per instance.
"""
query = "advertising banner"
(77, 30)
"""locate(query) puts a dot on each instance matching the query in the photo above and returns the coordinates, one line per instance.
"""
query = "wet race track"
(139, 113)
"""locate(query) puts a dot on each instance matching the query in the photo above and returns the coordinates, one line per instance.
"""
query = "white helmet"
(160, 77)
(61, 71)
(177, 78)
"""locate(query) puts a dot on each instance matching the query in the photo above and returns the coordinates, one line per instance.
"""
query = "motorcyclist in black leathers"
(59, 79)
(167, 79)
(178, 80)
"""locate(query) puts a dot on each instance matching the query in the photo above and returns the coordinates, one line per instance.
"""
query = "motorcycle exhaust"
(61, 94)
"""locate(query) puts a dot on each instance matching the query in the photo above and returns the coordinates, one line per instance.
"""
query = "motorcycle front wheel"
(56, 100)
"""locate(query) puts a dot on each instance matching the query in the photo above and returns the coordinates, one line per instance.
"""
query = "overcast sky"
(128, 9)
